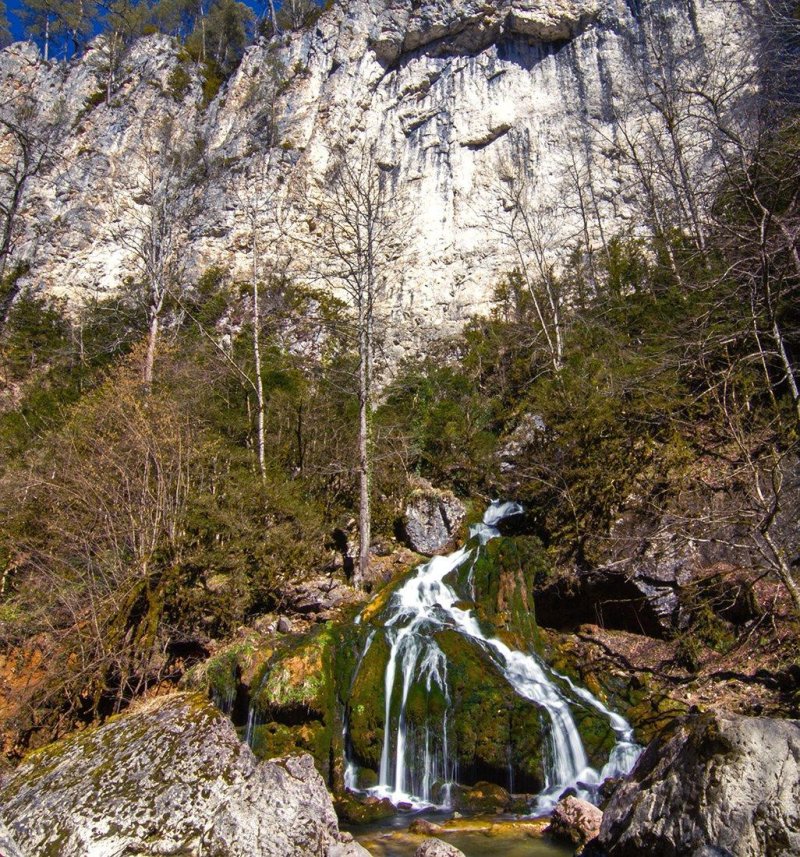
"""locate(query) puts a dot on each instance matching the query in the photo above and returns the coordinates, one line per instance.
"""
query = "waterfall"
(425, 604)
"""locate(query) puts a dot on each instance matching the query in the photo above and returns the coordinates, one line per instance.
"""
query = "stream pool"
(480, 836)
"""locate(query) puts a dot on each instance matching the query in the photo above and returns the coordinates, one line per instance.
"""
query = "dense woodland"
(143, 515)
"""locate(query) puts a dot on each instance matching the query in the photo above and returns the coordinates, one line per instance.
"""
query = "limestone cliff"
(455, 97)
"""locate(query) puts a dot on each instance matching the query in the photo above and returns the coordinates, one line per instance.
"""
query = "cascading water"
(417, 768)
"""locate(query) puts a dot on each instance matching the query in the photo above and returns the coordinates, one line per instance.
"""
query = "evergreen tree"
(62, 26)
(5, 31)
(221, 34)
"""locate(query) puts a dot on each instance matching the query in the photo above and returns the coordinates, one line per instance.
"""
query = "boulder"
(483, 797)
(575, 820)
(432, 520)
(720, 784)
(437, 848)
(169, 777)
(318, 596)
(422, 825)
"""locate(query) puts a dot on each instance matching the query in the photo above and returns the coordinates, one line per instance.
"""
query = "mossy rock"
(365, 778)
(363, 810)
(483, 797)
(230, 670)
(596, 734)
(273, 740)
(494, 730)
(639, 698)
(296, 702)
(653, 714)
(367, 705)
(299, 683)
(372, 612)
(504, 575)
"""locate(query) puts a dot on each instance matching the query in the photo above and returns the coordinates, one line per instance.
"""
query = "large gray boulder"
(169, 778)
(437, 848)
(721, 786)
(575, 820)
(432, 519)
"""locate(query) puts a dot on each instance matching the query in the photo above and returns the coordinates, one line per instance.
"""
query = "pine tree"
(5, 31)
(62, 26)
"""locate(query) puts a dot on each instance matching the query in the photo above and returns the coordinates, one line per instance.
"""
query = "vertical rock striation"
(456, 98)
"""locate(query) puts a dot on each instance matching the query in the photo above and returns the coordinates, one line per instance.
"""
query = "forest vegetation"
(159, 490)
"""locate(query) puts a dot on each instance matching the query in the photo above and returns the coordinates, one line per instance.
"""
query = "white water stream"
(426, 604)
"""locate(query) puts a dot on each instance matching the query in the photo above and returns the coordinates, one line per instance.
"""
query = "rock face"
(318, 596)
(455, 97)
(432, 520)
(171, 777)
(721, 785)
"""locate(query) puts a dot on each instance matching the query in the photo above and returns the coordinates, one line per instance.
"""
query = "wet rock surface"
(170, 777)
(720, 785)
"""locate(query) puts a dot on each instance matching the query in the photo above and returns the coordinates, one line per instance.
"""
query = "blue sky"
(13, 18)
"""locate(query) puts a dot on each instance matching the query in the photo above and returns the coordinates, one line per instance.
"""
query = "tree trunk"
(274, 17)
(364, 513)
(150, 359)
(152, 340)
(262, 409)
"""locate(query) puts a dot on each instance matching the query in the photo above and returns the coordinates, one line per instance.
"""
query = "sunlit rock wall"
(454, 97)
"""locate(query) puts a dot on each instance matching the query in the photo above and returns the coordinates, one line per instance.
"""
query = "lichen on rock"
(172, 777)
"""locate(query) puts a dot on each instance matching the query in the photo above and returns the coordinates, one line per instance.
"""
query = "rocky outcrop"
(455, 97)
(169, 777)
(318, 597)
(720, 785)
(575, 820)
(432, 520)
(8, 848)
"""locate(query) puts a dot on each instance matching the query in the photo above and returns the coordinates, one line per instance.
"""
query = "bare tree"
(26, 151)
(256, 196)
(362, 228)
(114, 483)
(149, 209)
(529, 231)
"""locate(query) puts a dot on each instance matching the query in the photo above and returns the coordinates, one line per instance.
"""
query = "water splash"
(425, 604)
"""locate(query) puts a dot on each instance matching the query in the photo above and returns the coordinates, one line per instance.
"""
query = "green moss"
(278, 739)
(223, 674)
(300, 679)
(493, 729)
(367, 704)
(504, 575)
(356, 810)
(296, 701)
(642, 700)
